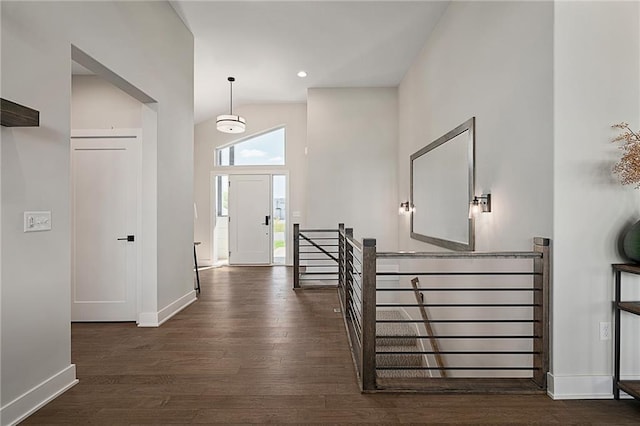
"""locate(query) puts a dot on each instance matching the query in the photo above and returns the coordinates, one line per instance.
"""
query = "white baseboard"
(156, 319)
(205, 262)
(34, 399)
(579, 387)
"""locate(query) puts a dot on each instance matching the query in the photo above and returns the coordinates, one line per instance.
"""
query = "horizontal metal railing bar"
(458, 305)
(318, 279)
(458, 368)
(355, 243)
(318, 252)
(355, 309)
(320, 273)
(462, 337)
(315, 244)
(465, 321)
(457, 352)
(318, 230)
(357, 325)
(356, 289)
(356, 297)
(325, 259)
(458, 289)
(457, 273)
(310, 273)
(459, 255)
(356, 333)
(317, 238)
(321, 245)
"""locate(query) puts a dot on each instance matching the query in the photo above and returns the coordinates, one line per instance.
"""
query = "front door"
(104, 205)
(249, 219)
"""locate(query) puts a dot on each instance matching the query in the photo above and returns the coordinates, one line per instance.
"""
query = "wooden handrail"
(415, 282)
(459, 255)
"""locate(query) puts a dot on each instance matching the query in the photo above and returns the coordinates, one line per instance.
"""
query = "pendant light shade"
(229, 123)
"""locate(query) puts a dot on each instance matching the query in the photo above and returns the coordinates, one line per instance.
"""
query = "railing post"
(541, 282)
(368, 314)
(348, 270)
(296, 255)
(341, 256)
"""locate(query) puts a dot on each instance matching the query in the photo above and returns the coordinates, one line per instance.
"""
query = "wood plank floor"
(251, 350)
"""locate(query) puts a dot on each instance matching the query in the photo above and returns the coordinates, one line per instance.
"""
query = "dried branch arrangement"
(628, 168)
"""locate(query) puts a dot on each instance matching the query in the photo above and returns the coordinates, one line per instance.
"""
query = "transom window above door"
(265, 149)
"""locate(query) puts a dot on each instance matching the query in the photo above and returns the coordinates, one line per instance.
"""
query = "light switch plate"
(37, 221)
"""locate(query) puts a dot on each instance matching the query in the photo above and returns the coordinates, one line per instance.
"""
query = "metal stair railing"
(487, 329)
(315, 261)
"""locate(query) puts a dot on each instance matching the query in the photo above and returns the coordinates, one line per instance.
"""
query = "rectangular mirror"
(442, 187)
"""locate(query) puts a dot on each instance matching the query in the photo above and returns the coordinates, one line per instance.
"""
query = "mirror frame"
(449, 244)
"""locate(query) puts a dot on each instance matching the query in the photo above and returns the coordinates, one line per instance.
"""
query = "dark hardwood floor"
(251, 350)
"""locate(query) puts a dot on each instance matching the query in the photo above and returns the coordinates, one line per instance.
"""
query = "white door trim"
(123, 133)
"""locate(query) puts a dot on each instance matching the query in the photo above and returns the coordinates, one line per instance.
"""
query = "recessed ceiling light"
(302, 74)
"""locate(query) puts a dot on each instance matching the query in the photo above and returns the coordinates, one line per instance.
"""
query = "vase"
(631, 243)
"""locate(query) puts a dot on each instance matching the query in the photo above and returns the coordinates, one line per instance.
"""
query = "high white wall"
(493, 61)
(147, 45)
(259, 118)
(98, 104)
(352, 140)
(597, 84)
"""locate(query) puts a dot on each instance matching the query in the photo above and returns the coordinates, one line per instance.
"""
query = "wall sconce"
(480, 204)
(406, 207)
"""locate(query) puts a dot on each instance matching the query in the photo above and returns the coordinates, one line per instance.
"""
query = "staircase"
(408, 343)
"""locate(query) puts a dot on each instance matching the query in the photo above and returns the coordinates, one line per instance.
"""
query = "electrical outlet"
(37, 221)
(605, 331)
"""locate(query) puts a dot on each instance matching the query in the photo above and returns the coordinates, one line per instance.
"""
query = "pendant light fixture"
(229, 123)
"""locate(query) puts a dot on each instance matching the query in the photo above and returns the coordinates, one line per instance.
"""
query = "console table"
(632, 387)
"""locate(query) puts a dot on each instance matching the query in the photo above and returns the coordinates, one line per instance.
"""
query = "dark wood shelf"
(16, 115)
(632, 268)
(633, 307)
(632, 387)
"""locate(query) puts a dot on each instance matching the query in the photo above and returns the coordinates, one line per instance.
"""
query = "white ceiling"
(263, 44)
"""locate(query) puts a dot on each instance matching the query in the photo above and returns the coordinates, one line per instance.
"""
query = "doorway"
(250, 219)
(104, 213)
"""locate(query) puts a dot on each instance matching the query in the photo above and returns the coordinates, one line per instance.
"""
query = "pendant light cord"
(231, 80)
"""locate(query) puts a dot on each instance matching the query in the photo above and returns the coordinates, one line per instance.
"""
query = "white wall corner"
(153, 319)
(148, 319)
(579, 387)
(37, 397)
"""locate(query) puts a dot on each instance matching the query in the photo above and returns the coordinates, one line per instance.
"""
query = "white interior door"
(249, 219)
(104, 228)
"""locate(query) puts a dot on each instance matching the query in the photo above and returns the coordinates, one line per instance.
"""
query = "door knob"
(129, 238)
(266, 220)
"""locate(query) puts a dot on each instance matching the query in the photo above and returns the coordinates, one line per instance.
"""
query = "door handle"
(129, 238)
(266, 220)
